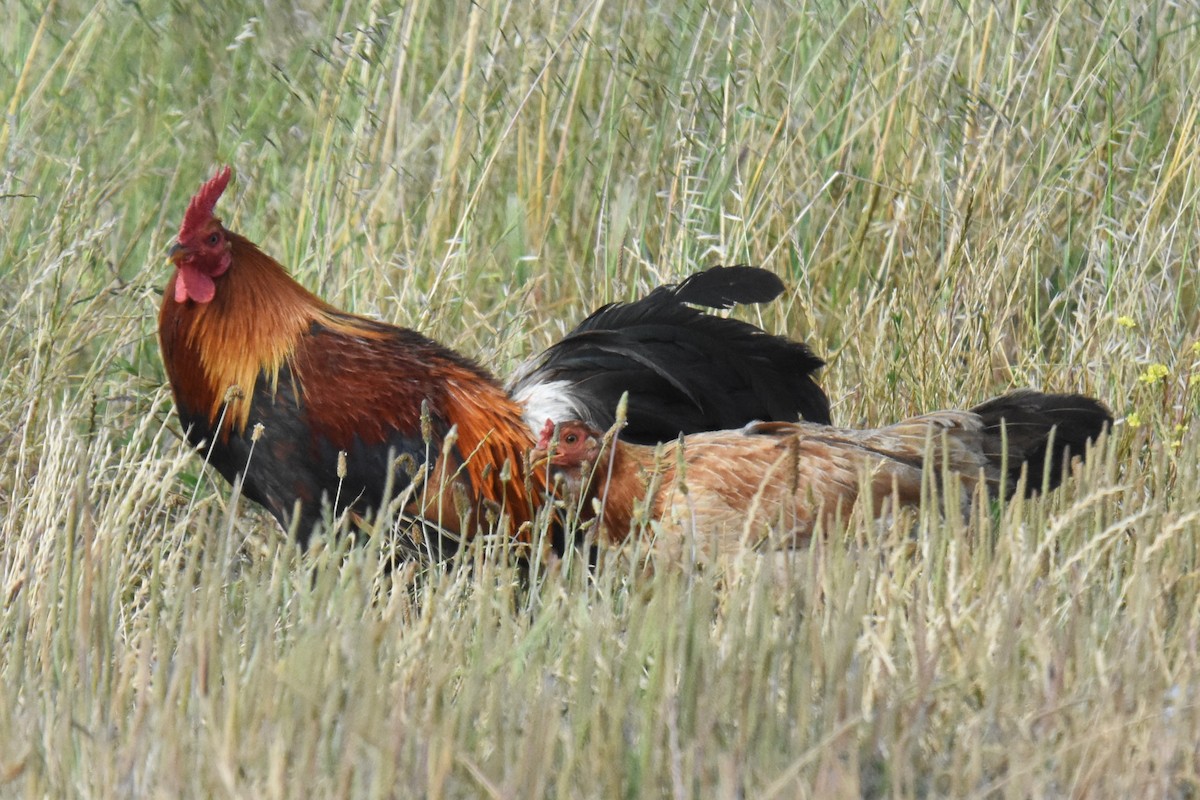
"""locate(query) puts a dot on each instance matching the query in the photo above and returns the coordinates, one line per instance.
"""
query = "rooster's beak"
(175, 250)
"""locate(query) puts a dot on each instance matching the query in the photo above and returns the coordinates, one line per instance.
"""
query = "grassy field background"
(963, 198)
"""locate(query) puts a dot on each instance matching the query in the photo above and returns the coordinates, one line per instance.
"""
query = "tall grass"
(963, 198)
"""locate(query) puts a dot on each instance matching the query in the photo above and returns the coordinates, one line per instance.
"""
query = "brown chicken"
(724, 491)
(318, 412)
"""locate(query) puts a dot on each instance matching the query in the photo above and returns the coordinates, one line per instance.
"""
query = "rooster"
(314, 410)
(725, 490)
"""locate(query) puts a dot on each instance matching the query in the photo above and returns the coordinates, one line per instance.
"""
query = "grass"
(963, 198)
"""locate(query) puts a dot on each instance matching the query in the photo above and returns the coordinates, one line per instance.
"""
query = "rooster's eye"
(212, 240)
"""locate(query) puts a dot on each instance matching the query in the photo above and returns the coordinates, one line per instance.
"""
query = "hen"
(315, 410)
(719, 492)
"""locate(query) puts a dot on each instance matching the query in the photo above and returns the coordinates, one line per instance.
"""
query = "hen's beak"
(175, 250)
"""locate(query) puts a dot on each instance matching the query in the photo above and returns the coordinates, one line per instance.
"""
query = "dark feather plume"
(725, 287)
(685, 370)
(1042, 431)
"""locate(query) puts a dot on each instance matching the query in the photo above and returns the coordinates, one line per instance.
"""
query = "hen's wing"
(791, 475)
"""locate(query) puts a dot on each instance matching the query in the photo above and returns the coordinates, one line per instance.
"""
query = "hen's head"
(578, 444)
(201, 252)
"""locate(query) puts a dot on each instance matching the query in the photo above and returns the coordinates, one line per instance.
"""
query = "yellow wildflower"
(1154, 373)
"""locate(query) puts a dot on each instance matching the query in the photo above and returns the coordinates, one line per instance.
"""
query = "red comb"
(547, 435)
(200, 210)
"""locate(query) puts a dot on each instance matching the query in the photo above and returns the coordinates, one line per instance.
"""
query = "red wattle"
(194, 284)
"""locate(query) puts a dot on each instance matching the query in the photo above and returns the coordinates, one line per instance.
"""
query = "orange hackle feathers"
(495, 444)
(239, 335)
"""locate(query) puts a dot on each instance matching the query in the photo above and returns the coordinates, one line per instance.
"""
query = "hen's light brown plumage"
(723, 491)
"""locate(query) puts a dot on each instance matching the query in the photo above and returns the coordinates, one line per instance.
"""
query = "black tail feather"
(725, 287)
(685, 370)
(1042, 433)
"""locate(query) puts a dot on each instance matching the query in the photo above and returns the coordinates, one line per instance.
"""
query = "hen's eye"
(212, 240)
(570, 438)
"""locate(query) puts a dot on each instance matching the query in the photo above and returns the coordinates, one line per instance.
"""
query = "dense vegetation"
(963, 198)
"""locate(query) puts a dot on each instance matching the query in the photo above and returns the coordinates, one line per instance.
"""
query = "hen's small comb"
(547, 435)
(200, 210)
